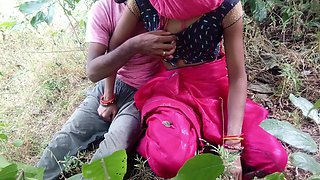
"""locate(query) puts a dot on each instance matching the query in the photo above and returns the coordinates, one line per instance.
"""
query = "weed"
(72, 164)
(142, 171)
(291, 79)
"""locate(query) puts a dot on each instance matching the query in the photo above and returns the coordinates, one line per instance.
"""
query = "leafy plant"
(73, 164)
(306, 162)
(19, 171)
(111, 167)
(284, 131)
(227, 158)
(275, 176)
(294, 137)
(258, 8)
(307, 108)
(202, 166)
(43, 10)
(40, 10)
(291, 76)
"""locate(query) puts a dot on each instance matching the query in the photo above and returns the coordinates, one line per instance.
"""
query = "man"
(87, 124)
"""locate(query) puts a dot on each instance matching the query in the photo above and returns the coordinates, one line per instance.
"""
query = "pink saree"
(182, 105)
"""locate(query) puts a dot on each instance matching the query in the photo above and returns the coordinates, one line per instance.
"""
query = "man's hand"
(159, 44)
(108, 112)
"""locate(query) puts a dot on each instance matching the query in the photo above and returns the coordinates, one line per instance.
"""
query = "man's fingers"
(170, 52)
(167, 39)
(113, 114)
(165, 47)
(106, 116)
(160, 33)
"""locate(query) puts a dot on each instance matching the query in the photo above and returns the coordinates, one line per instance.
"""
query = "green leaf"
(37, 19)
(3, 162)
(71, 4)
(31, 172)
(33, 6)
(260, 10)
(7, 25)
(315, 106)
(3, 137)
(17, 143)
(306, 107)
(202, 166)
(275, 176)
(305, 162)
(9, 172)
(48, 19)
(75, 177)
(284, 131)
(111, 167)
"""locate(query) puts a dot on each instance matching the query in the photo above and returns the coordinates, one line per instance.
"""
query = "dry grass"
(40, 87)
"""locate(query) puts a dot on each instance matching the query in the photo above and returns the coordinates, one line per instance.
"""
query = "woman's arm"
(124, 29)
(233, 42)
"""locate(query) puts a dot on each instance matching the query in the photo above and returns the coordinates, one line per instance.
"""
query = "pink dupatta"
(184, 9)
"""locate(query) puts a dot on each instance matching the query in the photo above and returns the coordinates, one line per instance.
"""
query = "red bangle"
(104, 102)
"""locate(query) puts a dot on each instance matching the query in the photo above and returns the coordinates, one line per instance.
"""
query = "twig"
(73, 28)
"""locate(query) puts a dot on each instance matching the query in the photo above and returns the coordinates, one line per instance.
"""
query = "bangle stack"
(105, 103)
(233, 146)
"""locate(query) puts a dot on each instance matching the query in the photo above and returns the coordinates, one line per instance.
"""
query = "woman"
(197, 96)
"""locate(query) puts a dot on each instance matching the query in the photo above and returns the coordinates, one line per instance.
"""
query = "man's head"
(120, 1)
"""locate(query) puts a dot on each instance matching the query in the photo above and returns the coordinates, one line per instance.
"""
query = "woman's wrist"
(233, 142)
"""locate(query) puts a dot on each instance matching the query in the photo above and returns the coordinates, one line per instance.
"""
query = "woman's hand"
(236, 169)
(108, 112)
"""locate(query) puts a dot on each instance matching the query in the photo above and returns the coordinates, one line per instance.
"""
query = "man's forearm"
(109, 63)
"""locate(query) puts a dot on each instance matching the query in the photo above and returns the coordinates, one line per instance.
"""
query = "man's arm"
(101, 64)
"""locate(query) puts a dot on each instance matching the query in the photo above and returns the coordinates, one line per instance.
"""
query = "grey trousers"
(85, 126)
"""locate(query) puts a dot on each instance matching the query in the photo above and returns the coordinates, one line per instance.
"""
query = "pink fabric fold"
(184, 9)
